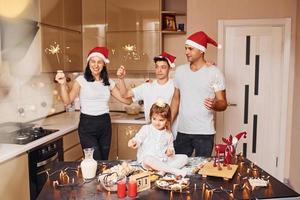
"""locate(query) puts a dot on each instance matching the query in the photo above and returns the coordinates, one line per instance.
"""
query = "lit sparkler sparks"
(54, 50)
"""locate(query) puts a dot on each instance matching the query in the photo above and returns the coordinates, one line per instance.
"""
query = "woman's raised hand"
(60, 77)
(121, 72)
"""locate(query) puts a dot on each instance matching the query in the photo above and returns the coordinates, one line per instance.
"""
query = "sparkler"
(54, 50)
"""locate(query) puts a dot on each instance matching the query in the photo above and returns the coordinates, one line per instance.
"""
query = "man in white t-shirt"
(149, 92)
(199, 91)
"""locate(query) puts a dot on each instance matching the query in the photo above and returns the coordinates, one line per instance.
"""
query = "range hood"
(16, 38)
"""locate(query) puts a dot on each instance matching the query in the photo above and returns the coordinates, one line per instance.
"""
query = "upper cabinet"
(132, 15)
(51, 48)
(133, 34)
(61, 49)
(51, 12)
(93, 25)
(61, 35)
(72, 42)
(61, 13)
(134, 49)
(72, 14)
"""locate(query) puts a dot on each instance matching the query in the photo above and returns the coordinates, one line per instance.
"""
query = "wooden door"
(253, 66)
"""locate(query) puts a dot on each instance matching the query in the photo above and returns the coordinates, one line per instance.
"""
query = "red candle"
(132, 188)
(121, 187)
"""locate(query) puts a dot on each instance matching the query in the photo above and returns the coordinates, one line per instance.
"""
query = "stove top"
(25, 135)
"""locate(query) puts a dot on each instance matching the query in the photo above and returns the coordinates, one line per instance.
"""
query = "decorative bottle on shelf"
(88, 164)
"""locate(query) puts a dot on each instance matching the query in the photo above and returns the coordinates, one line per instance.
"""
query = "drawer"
(70, 140)
(73, 154)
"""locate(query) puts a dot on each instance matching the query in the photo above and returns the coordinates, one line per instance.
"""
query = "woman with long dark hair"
(94, 89)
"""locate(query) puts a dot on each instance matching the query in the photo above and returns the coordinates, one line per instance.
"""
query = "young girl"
(155, 143)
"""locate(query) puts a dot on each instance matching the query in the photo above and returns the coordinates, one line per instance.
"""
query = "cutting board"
(209, 170)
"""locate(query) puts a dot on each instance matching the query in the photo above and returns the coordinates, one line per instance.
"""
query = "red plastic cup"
(121, 189)
(132, 188)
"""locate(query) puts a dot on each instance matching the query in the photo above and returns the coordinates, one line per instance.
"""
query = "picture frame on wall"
(169, 23)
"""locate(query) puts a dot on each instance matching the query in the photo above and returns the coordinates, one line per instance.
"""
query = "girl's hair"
(103, 75)
(164, 112)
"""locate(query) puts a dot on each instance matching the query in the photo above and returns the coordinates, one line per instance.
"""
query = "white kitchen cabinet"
(14, 182)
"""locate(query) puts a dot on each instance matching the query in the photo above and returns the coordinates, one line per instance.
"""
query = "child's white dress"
(152, 146)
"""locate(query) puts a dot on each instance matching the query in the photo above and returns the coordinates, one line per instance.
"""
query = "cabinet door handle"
(231, 104)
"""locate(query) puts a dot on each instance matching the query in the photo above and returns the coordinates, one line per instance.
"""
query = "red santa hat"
(170, 58)
(200, 40)
(101, 52)
(238, 136)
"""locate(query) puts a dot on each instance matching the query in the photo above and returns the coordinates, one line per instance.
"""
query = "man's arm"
(219, 103)
(175, 104)
(115, 92)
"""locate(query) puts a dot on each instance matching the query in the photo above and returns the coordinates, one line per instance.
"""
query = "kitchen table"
(221, 187)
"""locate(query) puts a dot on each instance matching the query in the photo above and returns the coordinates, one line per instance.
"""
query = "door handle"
(231, 104)
(45, 162)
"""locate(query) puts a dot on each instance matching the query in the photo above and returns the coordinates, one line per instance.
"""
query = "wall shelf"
(173, 32)
(167, 12)
(172, 40)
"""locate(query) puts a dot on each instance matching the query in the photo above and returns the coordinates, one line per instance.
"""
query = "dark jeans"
(95, 132)
(186, 143)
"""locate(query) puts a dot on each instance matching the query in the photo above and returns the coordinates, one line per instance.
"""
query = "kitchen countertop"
(65, 122)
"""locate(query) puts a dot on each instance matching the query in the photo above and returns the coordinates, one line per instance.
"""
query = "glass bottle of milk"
(88, 164)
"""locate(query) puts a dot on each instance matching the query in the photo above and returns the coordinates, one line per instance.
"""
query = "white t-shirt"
(94, 96)
(150, 92)
(153, 142)
(193, 116)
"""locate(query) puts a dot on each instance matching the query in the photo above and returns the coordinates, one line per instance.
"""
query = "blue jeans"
(95, 132)
(186, 143)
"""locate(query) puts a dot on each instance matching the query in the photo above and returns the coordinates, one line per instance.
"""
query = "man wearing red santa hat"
(199, 91)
